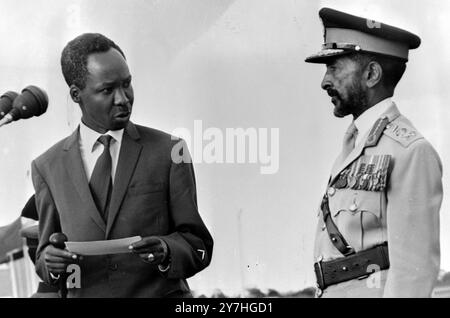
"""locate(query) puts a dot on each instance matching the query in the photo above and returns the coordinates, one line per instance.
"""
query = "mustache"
(124, 107)
(333, 93)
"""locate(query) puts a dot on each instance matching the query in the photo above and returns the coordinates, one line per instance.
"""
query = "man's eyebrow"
(108, 83)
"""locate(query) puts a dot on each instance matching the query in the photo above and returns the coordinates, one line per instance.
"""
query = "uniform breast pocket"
(357, 214)
(356, 201)
(369, 202)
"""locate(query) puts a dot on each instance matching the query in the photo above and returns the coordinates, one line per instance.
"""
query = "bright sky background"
(229, 63)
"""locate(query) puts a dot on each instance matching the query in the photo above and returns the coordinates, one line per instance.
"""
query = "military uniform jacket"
(152, 195)
(390, 190)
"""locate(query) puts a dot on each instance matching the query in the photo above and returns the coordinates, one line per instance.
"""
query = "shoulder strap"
(376, 132)
(402, 133)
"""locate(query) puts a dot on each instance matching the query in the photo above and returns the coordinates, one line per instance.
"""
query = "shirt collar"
(89, 136)
(366, 120)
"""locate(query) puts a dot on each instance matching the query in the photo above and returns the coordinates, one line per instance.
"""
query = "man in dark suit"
(144, 185)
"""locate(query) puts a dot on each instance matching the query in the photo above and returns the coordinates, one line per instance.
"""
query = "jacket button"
(331, 191)
(353, 207)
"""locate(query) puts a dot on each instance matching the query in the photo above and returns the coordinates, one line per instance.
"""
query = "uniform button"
(113, 267)
(353, 207)
(344, 269)
(334, 239)
(331, 191)
(324, 227)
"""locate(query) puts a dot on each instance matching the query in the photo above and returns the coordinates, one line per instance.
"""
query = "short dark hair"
(393, 68)
(75, 55)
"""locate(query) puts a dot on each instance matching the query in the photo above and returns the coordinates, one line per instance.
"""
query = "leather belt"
(333, 232)
(359, 265)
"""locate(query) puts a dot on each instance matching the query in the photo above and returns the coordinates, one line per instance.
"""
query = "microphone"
(33, 101)
(6, 102)
(59, 240)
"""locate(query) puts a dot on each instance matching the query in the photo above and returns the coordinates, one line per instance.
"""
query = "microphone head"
(32, 102)
(58, 240)
(6, 102)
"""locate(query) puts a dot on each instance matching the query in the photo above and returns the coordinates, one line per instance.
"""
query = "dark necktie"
(101, 180)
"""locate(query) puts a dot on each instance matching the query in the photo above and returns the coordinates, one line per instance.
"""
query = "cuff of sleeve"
(165, 265)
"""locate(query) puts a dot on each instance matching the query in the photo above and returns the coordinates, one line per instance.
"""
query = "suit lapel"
(130, 151)
(391, 113)
(75, 169)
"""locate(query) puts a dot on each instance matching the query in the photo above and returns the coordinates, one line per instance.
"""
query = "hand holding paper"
(102, 247)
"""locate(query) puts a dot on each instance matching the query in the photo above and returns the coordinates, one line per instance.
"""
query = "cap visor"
(324, 55)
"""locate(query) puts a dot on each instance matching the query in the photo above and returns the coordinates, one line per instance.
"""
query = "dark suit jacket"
(152, 195)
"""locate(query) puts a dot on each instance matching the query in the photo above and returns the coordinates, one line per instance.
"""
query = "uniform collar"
(366, 120)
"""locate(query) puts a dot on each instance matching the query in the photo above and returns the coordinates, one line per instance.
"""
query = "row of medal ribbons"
(368, 173)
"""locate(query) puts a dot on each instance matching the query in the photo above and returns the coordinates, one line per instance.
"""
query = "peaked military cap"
(345, 33)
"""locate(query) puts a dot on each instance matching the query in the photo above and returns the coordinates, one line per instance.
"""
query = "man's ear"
(75, 93)
(374, 73)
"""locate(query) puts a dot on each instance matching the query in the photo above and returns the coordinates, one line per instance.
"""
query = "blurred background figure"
(30, 233)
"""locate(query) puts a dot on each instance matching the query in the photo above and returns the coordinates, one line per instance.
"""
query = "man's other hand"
(151, 249)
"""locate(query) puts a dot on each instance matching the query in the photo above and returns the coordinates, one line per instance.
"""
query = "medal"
(342, 181)
(368, 175)
(370, 183)
(364, 182)
(375, 181)
(359, 174)
(352, 182)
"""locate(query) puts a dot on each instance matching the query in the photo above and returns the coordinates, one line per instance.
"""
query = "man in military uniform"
(378, 230)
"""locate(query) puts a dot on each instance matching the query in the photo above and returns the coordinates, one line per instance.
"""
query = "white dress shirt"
(91, 148)
(367, 119)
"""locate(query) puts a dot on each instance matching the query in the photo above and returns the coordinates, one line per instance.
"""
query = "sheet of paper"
(102, 247)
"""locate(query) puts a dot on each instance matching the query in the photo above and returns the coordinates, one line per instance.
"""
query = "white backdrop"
(231, 64)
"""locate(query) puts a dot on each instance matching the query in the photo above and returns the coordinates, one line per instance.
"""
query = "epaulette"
(376, 132)
(402, 133)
